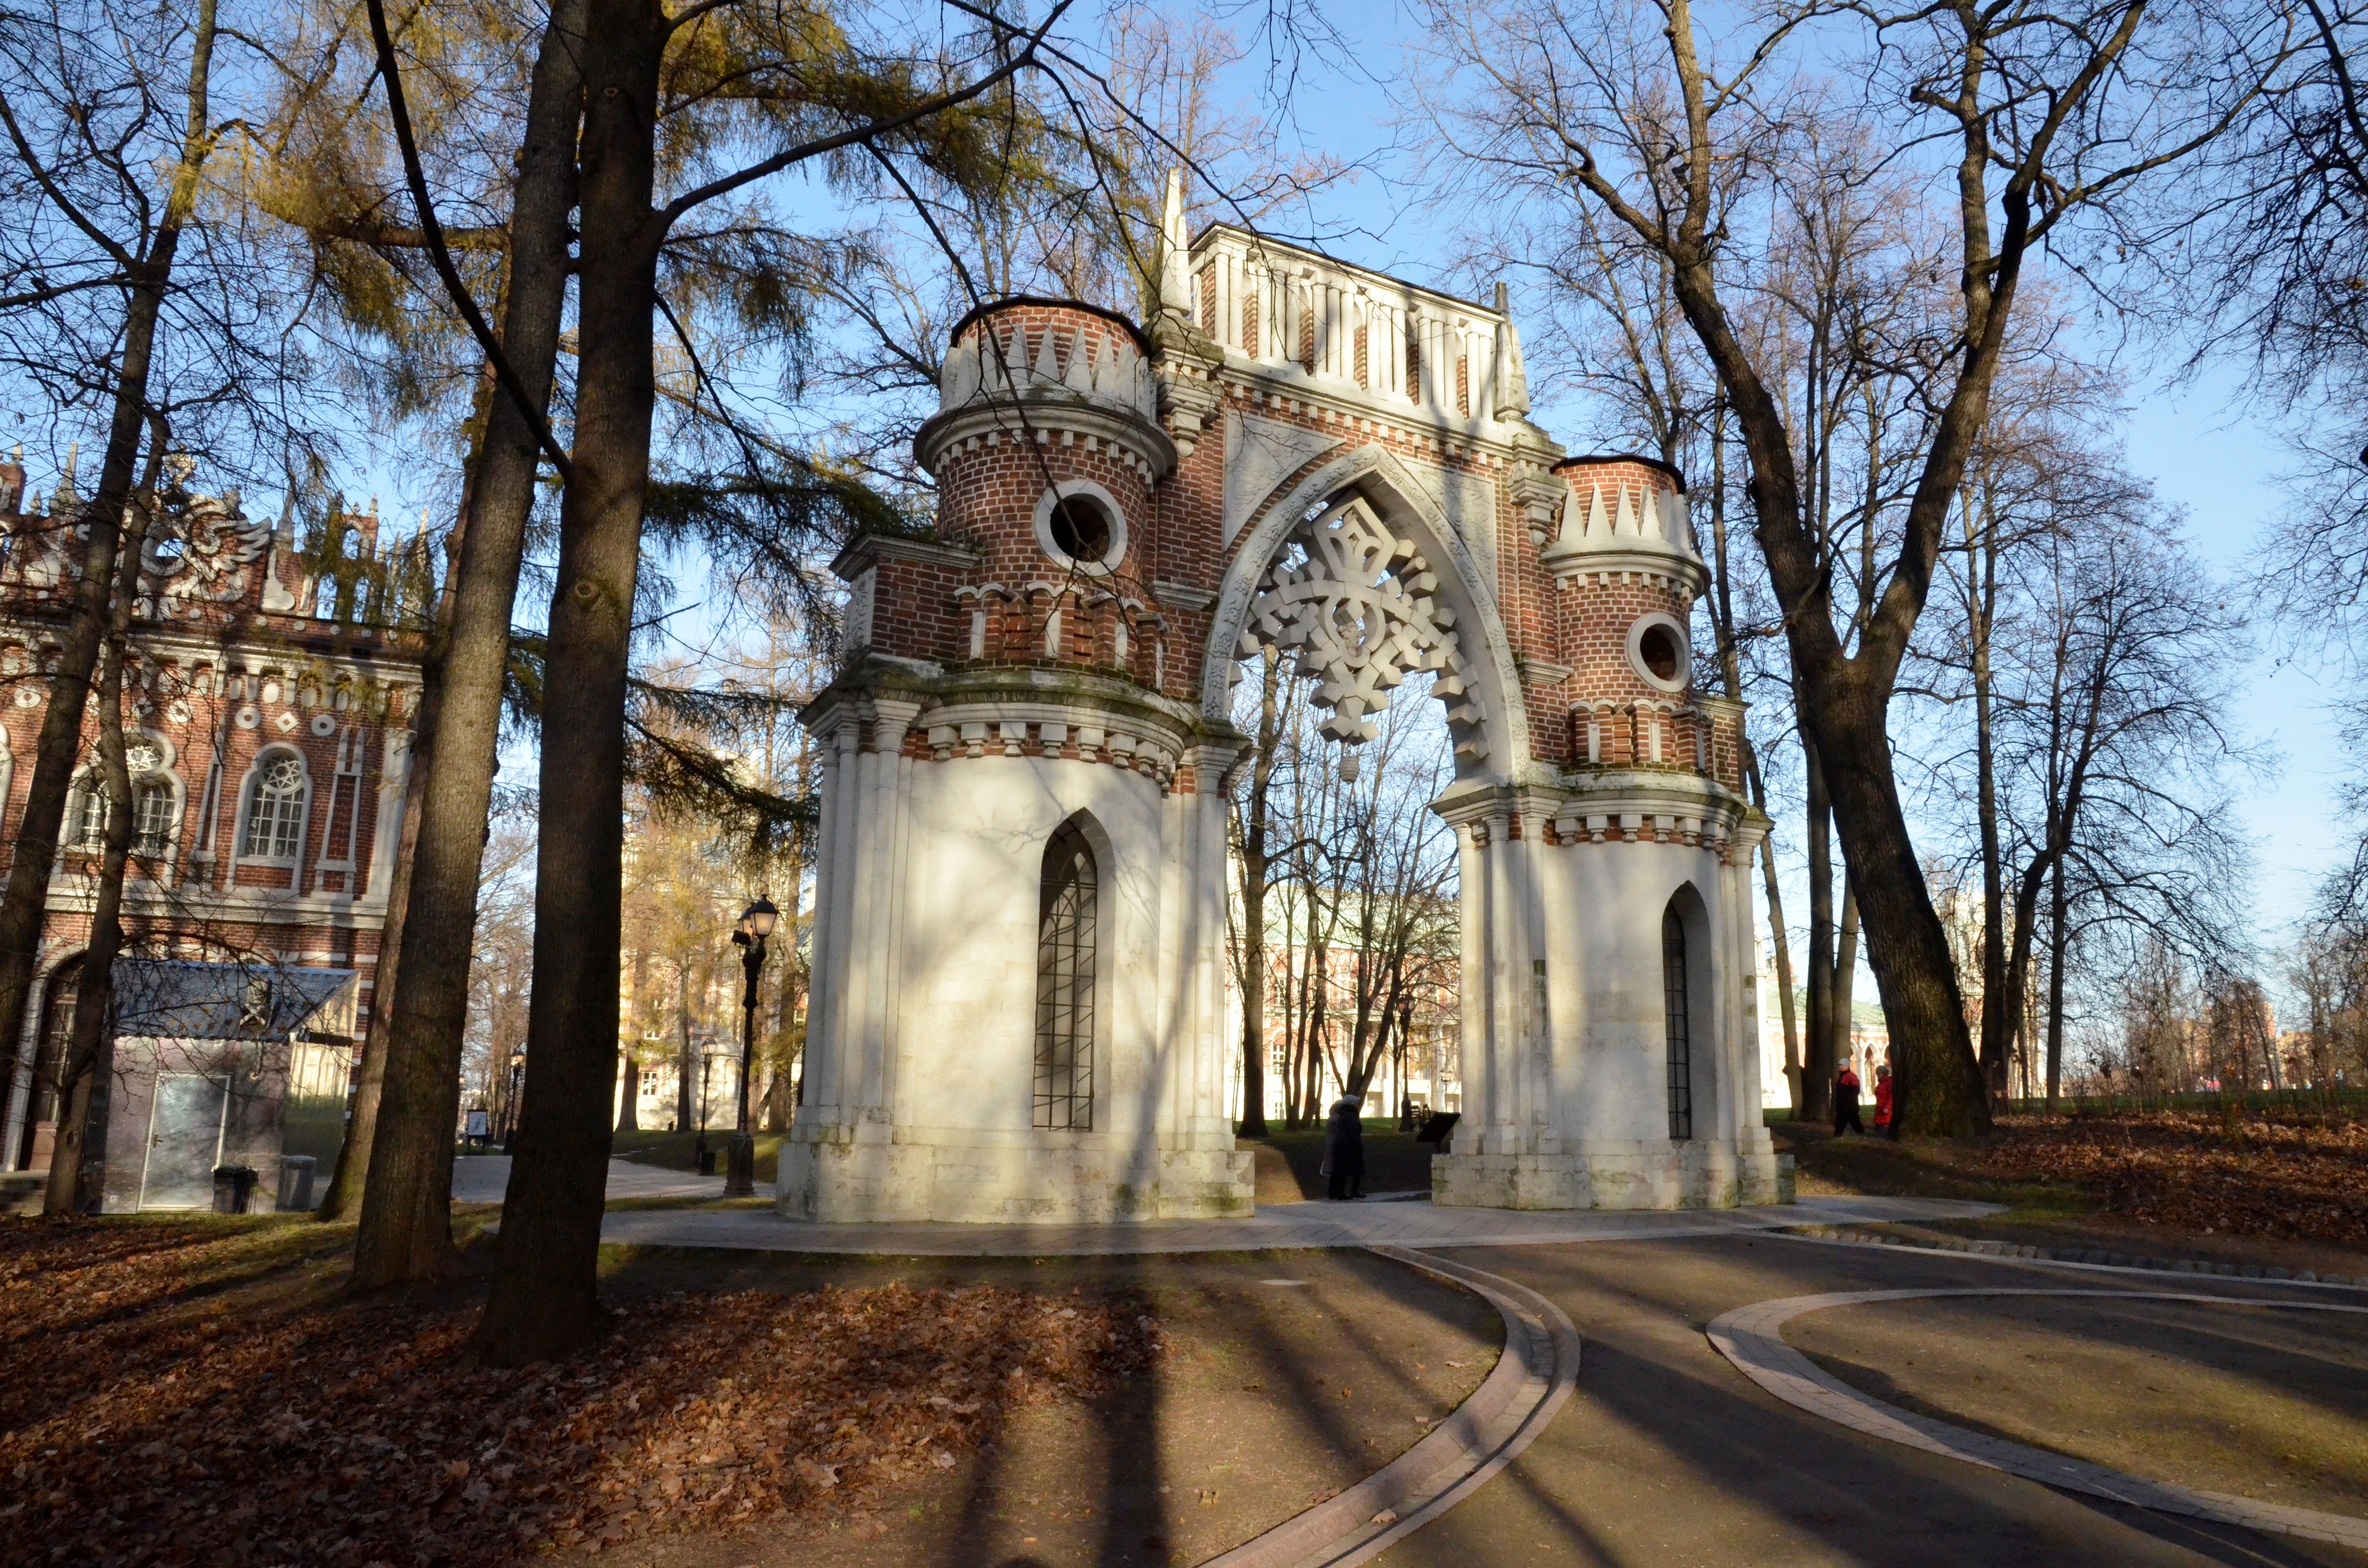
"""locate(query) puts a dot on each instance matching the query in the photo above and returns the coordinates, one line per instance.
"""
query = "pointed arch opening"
(1678, 1014)
(41, 1111)
(1068, 954)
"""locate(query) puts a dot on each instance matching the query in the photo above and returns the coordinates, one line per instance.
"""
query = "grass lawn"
(676, 1151)
(1289, 1165)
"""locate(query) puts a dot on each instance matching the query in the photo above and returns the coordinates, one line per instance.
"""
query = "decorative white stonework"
(1356, 605)
(1104, 366)
(1611, 530)
(1260, 453)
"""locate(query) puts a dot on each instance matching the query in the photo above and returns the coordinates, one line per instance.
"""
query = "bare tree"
(109, 132)
(2049, 114)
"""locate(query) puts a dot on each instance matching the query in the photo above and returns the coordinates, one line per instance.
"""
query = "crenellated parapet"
(1024, 373)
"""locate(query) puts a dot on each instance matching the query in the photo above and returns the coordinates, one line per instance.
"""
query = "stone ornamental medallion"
(247, 717)
(324, 726)
(1356, 605)
(285, 723)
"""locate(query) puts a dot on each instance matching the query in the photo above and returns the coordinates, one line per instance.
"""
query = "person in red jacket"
(1883, 1128)
(1846, 1102)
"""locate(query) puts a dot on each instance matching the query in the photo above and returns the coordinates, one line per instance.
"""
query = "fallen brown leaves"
(149, 1421)
(2277, 1173)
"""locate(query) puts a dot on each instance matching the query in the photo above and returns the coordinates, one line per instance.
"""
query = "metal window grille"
(274, 813)
(1673, 994)
(1065, 952)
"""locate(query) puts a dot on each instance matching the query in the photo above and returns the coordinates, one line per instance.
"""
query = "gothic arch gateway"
(1018, 1010)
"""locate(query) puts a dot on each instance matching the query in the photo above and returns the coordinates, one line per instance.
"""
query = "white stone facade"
(1017, 1008)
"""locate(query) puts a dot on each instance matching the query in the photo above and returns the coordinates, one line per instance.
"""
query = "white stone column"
(834, 906)
(1509, 1008)
(1482, 1082)
(894, 720)
(873, 925)
(1535, 986)
(1175, 981)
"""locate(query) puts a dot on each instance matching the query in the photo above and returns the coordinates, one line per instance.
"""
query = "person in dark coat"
(1344, 1151)
(1846, 1103)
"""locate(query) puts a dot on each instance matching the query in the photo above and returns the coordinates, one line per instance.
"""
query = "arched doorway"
(42, 1108)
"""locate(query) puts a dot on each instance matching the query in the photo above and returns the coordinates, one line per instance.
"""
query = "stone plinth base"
(1008, 1182)
(1609, 1176)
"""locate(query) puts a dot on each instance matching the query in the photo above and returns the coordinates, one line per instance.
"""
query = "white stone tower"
(1017, 1010)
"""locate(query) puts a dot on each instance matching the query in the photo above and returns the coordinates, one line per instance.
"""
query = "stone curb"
(1532, 1378)
(1752, 1338)
(2090, 1258)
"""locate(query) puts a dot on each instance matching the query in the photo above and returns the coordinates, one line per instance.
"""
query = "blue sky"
(2195, 442)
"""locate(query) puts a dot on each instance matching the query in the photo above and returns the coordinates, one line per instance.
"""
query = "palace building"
(268, 695)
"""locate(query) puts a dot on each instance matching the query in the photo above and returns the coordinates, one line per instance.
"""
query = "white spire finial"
(1175, 250)
(1512, 378)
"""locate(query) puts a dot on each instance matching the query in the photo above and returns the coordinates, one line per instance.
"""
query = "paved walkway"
(1532, 1380)
(484, 1178)
(1280, 1226)
(1752, 1337)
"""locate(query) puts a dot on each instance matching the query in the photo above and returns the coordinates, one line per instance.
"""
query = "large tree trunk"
(1257, 860)
(1817, 1062)
(629, 1067)
(2000, 1005)
(544, 1300)
(348, 1177)
(1934, 1074)
(95, 992)
(406, 1207)
(25, 904)
(2057, 943)
(1845, 984)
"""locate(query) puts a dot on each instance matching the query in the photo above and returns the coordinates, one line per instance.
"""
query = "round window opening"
(1080, 529)
(1662, 653)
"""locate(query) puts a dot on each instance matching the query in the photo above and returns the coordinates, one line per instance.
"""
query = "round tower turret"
(1626, 574)
(1046, 447)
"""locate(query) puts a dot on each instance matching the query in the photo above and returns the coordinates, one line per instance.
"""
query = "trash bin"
(234, 1188)
(295, 1183)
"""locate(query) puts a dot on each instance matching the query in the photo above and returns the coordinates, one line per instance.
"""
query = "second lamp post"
(755, 926)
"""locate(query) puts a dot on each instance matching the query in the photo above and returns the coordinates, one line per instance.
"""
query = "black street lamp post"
(510, 1099)
(756, 924)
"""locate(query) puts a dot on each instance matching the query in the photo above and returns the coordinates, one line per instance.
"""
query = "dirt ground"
(203, 1392)
(2260, 1402)
(1288, 1376)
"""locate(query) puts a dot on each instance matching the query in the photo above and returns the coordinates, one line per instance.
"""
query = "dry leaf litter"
(147, 1416)
(2277, 1173)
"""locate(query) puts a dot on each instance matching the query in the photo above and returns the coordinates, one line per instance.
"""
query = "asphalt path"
(1667, 1455)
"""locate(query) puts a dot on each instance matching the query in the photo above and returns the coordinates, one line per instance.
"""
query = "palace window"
(274, 826)
(152, 820)
(1067, 946)
(89, 823)
(1673, 993)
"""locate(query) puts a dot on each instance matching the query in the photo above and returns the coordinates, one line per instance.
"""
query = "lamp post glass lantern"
(755, 927)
